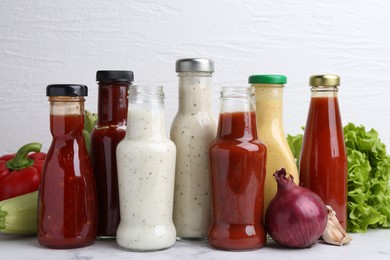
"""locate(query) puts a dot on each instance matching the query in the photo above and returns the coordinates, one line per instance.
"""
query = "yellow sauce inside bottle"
(269, 119)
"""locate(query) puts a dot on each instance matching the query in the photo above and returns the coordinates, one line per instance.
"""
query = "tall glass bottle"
(237, 168)
(323, 162)
(146, 160)
(67, 210)
(269, 115)
(108, 132)
(192, 130)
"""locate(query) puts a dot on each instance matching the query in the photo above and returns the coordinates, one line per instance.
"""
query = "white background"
(45, 42)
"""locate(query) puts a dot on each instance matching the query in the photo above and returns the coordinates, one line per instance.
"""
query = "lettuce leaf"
(368, 177)
(369, 174)
(295, 143)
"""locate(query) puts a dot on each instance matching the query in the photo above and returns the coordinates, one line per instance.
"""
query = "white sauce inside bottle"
(146, 171)
(192, 131)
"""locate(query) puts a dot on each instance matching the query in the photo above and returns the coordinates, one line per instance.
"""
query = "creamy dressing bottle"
(192, 130)
(269, 118)
(146, 174)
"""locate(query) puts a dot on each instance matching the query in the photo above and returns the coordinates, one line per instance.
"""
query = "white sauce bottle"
(269, 119)
(146, 174)
(192, 130)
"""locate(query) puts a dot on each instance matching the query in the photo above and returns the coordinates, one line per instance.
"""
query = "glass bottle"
(67, 209)
(192, 130)
(237, 169)
(108, 132)
(269, 116)
(323, 163)
(146, 160)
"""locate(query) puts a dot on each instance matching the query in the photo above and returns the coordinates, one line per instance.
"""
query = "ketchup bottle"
(323, 162)
(237, 169)
(108, 132)
(67, 209)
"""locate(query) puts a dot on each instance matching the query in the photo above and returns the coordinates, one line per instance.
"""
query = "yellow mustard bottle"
(269, 119)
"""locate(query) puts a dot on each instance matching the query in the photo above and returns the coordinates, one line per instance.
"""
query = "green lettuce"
(368, 177)
(295, 143)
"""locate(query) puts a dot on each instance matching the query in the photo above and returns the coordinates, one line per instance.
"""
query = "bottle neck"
(322, 91)
(112, 103)
(269, 106)
(146, 117)
(237, 118)
(324, 100)
(324, 111)
(194, 92)
(66, 116)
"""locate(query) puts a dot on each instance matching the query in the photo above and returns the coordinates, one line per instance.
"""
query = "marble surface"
(374, 244)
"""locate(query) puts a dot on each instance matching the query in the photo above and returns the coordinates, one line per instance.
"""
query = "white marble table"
(372, 245)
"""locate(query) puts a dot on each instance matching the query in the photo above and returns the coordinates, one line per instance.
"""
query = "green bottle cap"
(267, 79)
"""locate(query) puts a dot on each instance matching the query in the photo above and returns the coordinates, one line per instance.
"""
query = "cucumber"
(18, 215)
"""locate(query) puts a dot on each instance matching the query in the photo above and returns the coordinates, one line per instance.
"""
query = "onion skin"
(296, 217)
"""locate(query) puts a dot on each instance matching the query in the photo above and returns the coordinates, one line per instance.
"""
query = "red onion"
(296, 216)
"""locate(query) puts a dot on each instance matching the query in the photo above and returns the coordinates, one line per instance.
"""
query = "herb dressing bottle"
(146, 174)
(192, 130)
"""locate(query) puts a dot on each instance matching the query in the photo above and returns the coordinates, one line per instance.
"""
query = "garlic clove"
(334, 233)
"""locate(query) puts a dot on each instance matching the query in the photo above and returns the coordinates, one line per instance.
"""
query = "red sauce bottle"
(237, 168)
(108, 132)
(323, 162)
(67, 209)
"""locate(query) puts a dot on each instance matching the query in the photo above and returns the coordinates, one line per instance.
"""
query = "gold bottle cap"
(327, 80)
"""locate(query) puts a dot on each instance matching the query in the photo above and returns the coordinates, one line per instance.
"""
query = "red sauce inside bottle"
(110, 130)
(323, 163)
(237, 163)
(67, 203)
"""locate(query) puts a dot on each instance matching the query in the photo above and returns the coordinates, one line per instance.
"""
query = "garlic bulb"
(334, 233)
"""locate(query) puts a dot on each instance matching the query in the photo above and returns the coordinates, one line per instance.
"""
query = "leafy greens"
(368, 177)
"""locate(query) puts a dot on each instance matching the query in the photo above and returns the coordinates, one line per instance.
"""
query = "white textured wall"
(44, 42)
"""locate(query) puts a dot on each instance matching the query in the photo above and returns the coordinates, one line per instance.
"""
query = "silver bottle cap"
(194, 65)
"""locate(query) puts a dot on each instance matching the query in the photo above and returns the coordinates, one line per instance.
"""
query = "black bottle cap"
(114, 75)
(68, 90)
